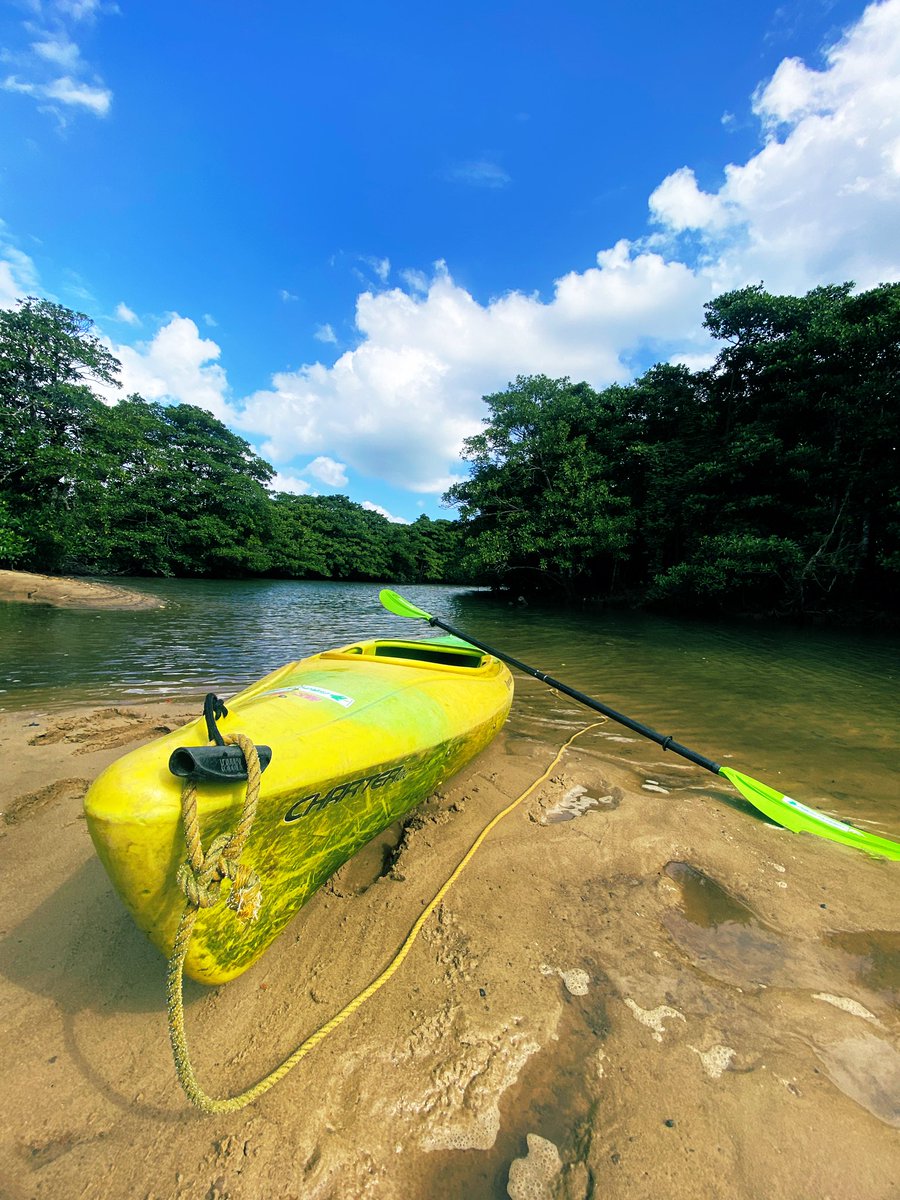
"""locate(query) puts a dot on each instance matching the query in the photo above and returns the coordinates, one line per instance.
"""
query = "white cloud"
(679, 203)
(58, 50)
(78, 87)
(399, 405)
(416, 281)
(74, 92)
(290, 483)
(287, 296)
(376, 508)
(18, 276)
(210, 320)
(79, 10)
(65, 90)
(381, 267)
(793, 92)
(176, 365)
(820, 202)
(124, 313)
(479, 173)
(324, 333)
(328, 471)
(693, 362)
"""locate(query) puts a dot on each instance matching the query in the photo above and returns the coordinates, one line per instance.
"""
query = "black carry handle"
(218, 764)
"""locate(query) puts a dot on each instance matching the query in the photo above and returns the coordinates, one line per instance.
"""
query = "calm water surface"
(814, 713)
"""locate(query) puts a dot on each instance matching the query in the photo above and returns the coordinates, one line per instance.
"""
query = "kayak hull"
(360, 735)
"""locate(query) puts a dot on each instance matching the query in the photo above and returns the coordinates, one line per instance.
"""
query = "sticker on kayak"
(308, 692)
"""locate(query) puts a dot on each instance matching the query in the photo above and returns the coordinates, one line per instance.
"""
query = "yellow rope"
(200, 864)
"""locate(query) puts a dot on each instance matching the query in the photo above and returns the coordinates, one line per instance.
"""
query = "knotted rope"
(205, 872)
(200, 877)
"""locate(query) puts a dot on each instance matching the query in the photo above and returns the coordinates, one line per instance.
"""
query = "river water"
(812, 712)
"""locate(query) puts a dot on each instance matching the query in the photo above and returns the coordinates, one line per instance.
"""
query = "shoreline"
(671, 996)
(61, 591)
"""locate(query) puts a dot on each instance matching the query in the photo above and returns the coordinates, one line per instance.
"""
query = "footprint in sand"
(23, 807)
(102, 730)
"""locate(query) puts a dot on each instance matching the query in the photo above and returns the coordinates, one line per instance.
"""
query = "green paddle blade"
(801, 819)
(400, 607)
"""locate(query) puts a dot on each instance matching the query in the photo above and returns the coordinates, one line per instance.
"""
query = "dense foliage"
(768, 483)
(145, 488)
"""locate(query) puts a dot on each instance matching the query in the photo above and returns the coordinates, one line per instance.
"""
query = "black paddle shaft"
(667, 743)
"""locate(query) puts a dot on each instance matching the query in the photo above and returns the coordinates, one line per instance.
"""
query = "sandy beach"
(660, 996)
(27, 587)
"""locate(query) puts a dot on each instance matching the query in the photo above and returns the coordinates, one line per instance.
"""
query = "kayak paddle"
(778, 808)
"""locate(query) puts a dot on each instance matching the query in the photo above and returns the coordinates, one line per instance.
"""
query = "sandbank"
(61, 591)
(661, 996)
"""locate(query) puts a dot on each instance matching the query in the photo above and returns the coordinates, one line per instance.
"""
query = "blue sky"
(339, 228)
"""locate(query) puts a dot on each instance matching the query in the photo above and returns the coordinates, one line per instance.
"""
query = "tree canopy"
(769, 482)
(145, 488)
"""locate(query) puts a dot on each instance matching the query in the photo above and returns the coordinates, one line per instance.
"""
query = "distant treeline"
(768, 483)
(141, 488)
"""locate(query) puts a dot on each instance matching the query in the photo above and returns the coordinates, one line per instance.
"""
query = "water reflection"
(812, 712)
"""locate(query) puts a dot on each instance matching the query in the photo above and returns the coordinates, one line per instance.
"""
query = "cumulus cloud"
(377, 508)
(290, 483)
(124, 313)
(324, 333)
(328, 471)
(820, 201)
(679, 203)
(398, 406)
(176, 365)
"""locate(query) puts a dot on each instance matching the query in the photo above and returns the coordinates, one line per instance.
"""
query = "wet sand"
(637, 983)
(25, 587)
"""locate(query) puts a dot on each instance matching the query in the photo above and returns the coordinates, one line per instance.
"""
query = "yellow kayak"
(358, 737)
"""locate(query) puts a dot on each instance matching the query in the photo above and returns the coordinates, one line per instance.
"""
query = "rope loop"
(245, 898)
(201, 876)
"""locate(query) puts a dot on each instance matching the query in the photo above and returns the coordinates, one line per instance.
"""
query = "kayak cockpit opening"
(441, 652)
(422, 652)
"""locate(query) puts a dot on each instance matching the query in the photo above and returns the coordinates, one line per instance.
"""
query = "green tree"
(769, 483)
(545, 494)
(179, 493)
(804, 399)
(48, 358)
(14, 546)
(426, 551)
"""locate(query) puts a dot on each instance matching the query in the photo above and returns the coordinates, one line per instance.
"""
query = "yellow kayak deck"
(359, 736)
